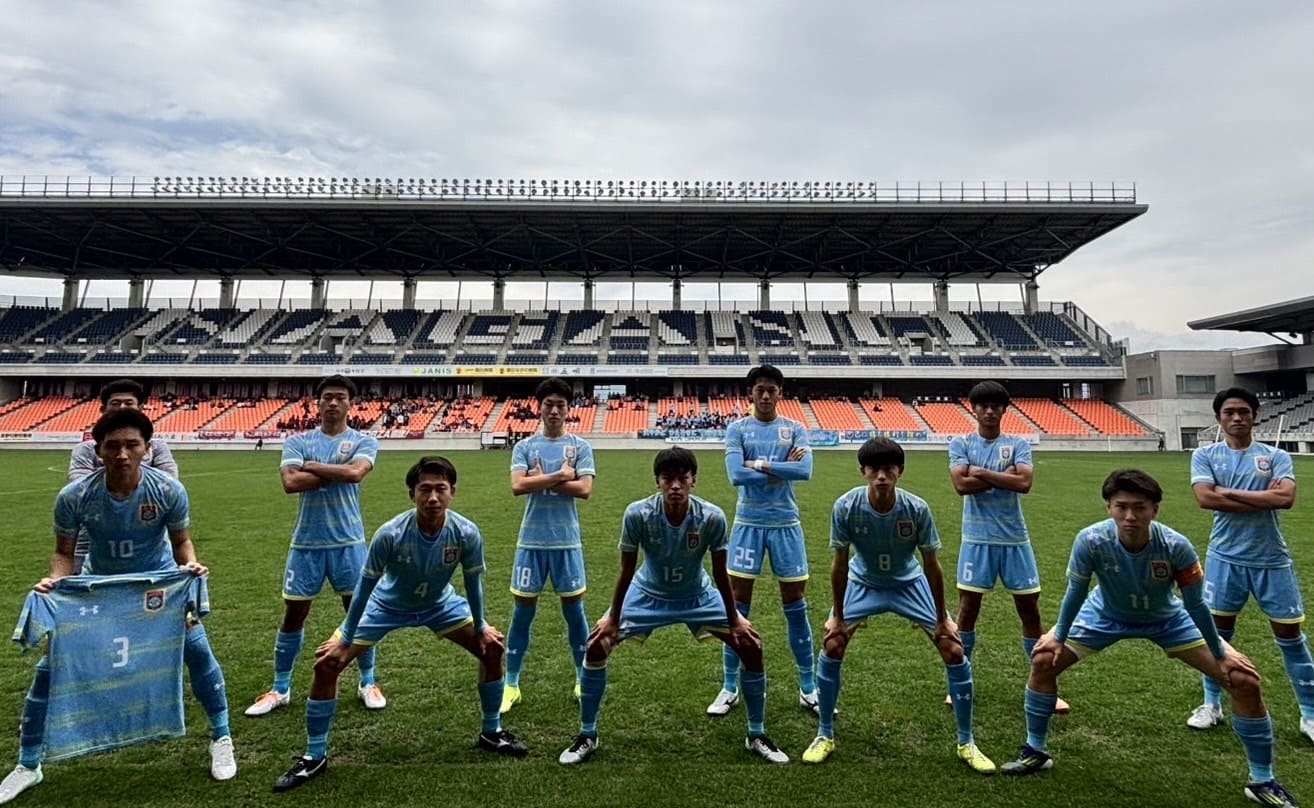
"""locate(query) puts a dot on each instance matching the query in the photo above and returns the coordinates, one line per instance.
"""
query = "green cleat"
(819, 749)
(975, 760)
(510, 697)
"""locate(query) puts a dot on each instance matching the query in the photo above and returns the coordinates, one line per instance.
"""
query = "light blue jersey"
(115, 655)
(329, 516)
(1135, 588)
(885, 543)
(551, 521)
(672, 566)
(128, 535)
(766, 500)
(1248, 539)
(994, 516)
(416, 570)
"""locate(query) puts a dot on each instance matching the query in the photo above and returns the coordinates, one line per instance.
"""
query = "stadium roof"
(1291, 317)
(548, 230)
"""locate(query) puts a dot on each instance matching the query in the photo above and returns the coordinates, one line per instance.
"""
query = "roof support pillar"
(853, 294)
(1031, 298)
(942, 296)
(408, 292)
(136, 293)
(499, 294)
(588, 294)
(675, 294)
(227, 298)
(1307, 338)
(318, 293)
(71, 287)
(764, 295)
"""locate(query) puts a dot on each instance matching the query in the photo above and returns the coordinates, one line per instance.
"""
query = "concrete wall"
(1165, 409)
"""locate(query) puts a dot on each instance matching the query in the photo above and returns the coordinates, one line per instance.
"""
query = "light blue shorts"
(912, 600)
(378, 621)
(307, 570)
(533, 568)
(642, 614)
(1228, 586)
(1093, 631)
(980, 565)
(750, 546)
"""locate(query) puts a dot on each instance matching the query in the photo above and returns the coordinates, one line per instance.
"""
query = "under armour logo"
(1304, 683)
(963, 697)
(92, 610)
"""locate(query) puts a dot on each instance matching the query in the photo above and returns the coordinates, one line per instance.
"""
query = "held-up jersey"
(672, 566)
(416, 570)
(126, 535)
(1135, 588)
(766, 500)
(84, 459)
(551, 521)
(329, 516)
(885, 543)
(116, 656)
(994, 516)
(1249, 539)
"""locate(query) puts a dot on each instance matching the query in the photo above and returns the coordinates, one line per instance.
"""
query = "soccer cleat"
(223, 765)
(302, 771)
(977, 762)
(510, 697)
(503, 743)
(1206, 716)
(580, 750)
(949, 701)
(763, 747)
(1307, 728)
(372, 697)
(808, 701)
(723, 703)
(579, 692)
(19, 780)
(819, 749)
(1029, 761)
(1061, 707)
(268, 703)
(1270, 793)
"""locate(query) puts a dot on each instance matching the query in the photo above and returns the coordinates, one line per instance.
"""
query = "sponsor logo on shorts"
(1264, 464)
(905, 529)
(154, 600)
(450, 554)
(786, 433)
(692, 539)
(1161, 570)
(148, 512)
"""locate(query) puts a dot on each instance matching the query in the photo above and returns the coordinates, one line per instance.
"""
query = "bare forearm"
(1214, 500)
(722, 580)
(1009, 481)
(536, 483)
(336, 473)
(935, 578)
(579, 489)
(296, 482)
(60, 564)
(839, 584)
(1260, 500)
(184, 552)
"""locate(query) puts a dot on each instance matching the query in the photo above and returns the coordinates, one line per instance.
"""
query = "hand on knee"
(951, 650)
(835, 645)
(1243, 687)
(599, 648)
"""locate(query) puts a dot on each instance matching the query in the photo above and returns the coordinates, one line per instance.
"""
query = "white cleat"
(1206, 716)
(809, 701)
(763, 747)
(1307, 728)
(19, 780)
(268, 702)
(372, 697)
(723, 703)
(223, 765)
(580, 750)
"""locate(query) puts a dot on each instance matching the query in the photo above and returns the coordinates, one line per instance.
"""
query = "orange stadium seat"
(78, 419)
(727, 405)
(15, 404)
(893, 415)
(626, 419)
(836, 413)
(946, 417)
(185, 418)
(505, 423)
(1106, 418)
(682, 406)
(1050, 417)
(1012, 423)
(26, 417)
(475, 410)
(792, 408)
(581, 419)
(241, 419)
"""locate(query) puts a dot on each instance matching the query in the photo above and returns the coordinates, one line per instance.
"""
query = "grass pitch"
(1125, 742)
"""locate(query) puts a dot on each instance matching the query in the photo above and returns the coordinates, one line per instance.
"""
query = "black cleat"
(503, 743)
(303, 770)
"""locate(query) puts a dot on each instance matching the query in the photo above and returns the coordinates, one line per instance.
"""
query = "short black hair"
(1236, 392)
(675, 462)
(436, 465)
(989, 392)
(553, 387)
(122, 419)
(1132, 481)
(122, 386)
(768, 372)
(879, 452)
(336, 380)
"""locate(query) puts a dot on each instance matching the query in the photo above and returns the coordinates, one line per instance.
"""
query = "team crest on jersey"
(1005, 453)
(786, 433)
(692, 539)
(345, 447)
(570, 452)
(1263, 464)
(148, 512)
(450, 554)
(1161, 570)
(905, 529)
(154, 600)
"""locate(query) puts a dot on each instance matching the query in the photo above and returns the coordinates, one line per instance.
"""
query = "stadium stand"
(946, 417)
(626, 416)
(78, 418)
(249, 414)
(24, 418)
(1051, 418)
(890, 413)
(466, 414)
(189, 416)
(1005, 329)
(1110, 420)
(681, 407)
(837, 413)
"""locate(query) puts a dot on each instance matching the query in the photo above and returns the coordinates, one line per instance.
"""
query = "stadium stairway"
(272, 421)
(809, 416)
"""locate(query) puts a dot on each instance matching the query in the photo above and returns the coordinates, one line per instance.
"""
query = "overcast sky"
(1204, 105)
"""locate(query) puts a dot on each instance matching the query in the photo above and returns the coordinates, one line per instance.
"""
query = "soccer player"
(406, 583)
(765, 454)
(874, 530)
(991, 471)
(119, 394)
(675, 530)
(1245, 483)
(136, 519)
(552, 469)
(1136, 561)
(325, 467)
